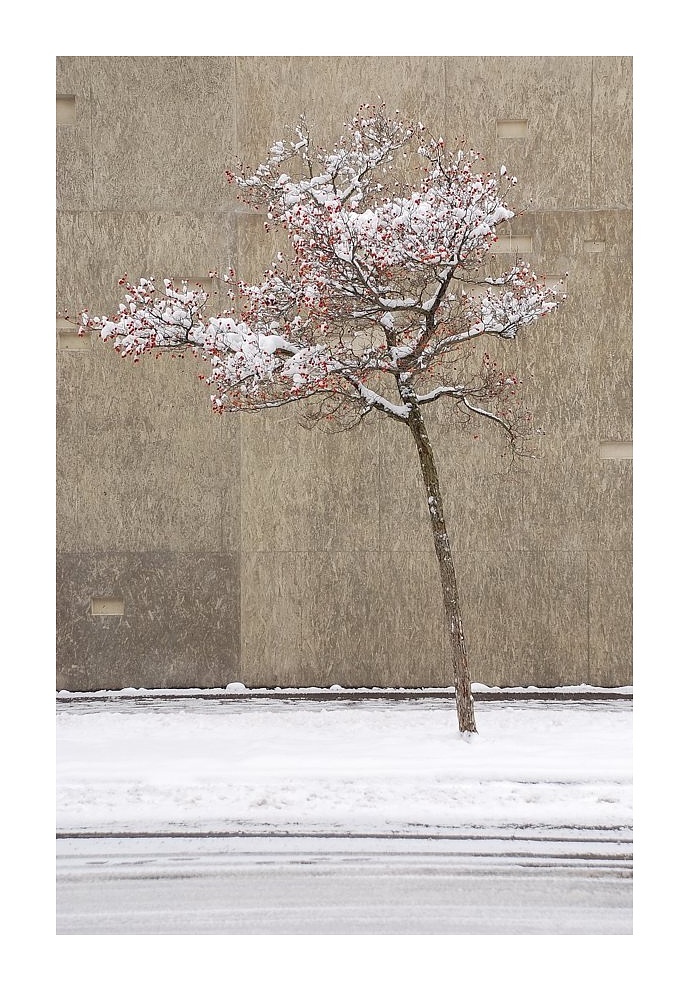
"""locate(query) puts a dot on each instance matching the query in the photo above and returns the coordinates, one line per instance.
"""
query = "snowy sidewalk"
(131, 764)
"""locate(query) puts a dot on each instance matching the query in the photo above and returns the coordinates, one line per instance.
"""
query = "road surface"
(525, 882)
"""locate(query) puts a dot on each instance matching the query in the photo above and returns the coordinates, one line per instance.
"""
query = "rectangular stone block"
(575, 365)
(142, 462)
(553, 94)
(160, 246)
(511, 244)
(575, 501)
(75, 263)
(526, 617)
(303, 490)
(73, 139)
(163, 132)
(481, 488)
(178, 626)
(612, 130)
(273, 91)
(69, 338)
(341, 618)
(610, 618)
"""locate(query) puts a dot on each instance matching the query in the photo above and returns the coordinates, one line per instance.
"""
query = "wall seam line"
(591, 131)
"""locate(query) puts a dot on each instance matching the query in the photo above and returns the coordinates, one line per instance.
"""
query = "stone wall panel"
(180, 625)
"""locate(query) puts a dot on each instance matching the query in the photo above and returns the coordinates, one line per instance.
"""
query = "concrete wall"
(223, 549)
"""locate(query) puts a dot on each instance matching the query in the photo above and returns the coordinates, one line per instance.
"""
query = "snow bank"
(202, 764)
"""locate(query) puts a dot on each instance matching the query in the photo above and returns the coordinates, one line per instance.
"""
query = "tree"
(385, 287)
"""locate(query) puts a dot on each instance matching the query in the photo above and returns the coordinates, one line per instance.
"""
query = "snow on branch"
(386, 232)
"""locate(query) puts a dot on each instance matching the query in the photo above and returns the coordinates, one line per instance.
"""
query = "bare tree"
(383, 288)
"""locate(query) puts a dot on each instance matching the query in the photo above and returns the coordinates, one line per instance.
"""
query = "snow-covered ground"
(129, 764)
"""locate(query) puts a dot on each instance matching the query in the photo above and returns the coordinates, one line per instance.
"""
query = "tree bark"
(461, 673)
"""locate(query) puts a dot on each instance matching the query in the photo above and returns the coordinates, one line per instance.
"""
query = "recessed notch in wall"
(558, 283)
(107, 606)
(69, 340)
(511, 244)
(511, 129)
(65, 110)
(615, 449)
(194, 282)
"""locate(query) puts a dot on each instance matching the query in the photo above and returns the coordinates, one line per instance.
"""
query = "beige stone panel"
(575, 364)
(557, 589)
(481, 486)
(610, 613)
(496, 624)
(373, 619)
(177, 463)
(273, 91)
(163, 132)
(553, 95)
(612, 131)
(304, 490)
(610, 389)
(576, 501)
(141, 459)
(73, 144)
(74, 261)
(526, 617)
(323, 619)
(159, 246)
(102, 513)
(257, 246)
(271, 612)
(179, 626)
(376, 620)
(105, 391)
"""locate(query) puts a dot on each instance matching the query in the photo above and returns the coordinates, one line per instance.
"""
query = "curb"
(356, 696)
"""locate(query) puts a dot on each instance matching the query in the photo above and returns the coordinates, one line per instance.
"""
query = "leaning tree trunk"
(451, 608)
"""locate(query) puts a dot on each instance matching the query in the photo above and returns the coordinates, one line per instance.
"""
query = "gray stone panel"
(180, 625)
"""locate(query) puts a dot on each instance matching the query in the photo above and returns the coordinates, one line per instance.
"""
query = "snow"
(239, 687)
(126, 763)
